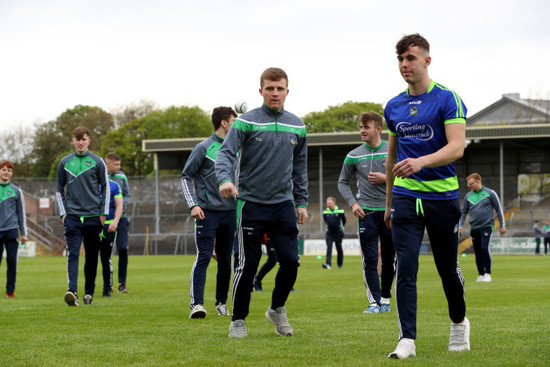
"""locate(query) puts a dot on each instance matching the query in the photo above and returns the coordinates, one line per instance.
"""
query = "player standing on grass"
(335, 219)
(82, 197)
(272, 196)
(368, 162)
(215, 220)
(427, 127)
(13, 222)
(480, 203)
(113, 162)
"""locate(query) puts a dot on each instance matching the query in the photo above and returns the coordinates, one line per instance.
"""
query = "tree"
(174, 122)
(133, 112)
(343, 117)
(52, 138)
(16, 146)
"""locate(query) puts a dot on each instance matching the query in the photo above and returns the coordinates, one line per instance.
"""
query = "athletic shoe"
(340, 266)
(384, 307)
(460, 336)
(374, 308)
(481, 278)
(107, 292)
(221, 309)
(71, 298)
(122, 288)
(258, 285)
(326, 266)
(237, 329)
(405, 349)
(88, 299)
(278, 318)
(197, 312)
(10, 295)
(487, 277)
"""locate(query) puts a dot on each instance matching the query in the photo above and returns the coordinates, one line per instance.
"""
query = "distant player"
(13, 222)
(479, 203)
(335, 219)
(427, 128)
(215, 217)
(82, 198)
(113, 162)
(272, 196)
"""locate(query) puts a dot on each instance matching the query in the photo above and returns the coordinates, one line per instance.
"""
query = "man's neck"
(420, 87)
(4, 182)
(221, 133)
(375, 144)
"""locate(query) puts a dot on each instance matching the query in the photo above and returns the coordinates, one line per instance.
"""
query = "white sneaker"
(197, 312)
(279, 320)
(221, 309)
(237, 329)
(481, 278)
(460, 336)
(487, 277)
(405, 348)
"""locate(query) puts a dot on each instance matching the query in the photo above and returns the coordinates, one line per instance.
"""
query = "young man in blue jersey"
(82, 198)
(109, 235)
(427, 128)
(368, 163)
(13, 223)
(113, 163)
(272, 196)
(215, 219)
(335, 219)
(480, 203)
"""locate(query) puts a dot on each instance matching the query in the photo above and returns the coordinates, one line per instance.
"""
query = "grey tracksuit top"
(200, 169)
(363, 160)
(87, 185)
(273, 160)
(12, 209)
(480, 206)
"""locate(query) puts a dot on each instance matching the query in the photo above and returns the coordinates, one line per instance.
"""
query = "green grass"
(150, 325)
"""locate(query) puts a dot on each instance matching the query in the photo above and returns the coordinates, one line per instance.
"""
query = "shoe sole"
(268, 317)
(70, 299)
(198, 315)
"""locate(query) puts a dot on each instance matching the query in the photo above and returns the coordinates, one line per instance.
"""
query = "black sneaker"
(88, 299)
(122, 288)
(107, 292)
(71, 298)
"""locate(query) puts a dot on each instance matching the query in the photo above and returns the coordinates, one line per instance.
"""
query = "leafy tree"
(16, 145)
(133, 112)
(52, 139)
(343, 117)
(174, 122)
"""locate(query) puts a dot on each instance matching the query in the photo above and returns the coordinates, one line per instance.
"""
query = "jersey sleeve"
(455, 110)
(21, 216)
(299, 173)
(227, 155)
(347, 172)
(61, 182)
(190, 171)
(465, 211)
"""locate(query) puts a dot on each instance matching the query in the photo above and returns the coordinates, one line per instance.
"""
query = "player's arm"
(465, 210)
(119, 204)
(299, 179)
(347, 172)
(391, 160)
(188, 174)
(225, 161)
(500, 213)
(453, 150)
(61, 181)
(21, 216)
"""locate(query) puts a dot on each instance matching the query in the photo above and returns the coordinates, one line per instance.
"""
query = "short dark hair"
(411, 40)
(222, 113)
(273, 74)
(112, 156)
(80, 131)
(6, 163)
(370, 116)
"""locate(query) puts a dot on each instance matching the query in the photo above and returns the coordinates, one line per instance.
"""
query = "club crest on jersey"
(88, 163)
(413, 111)
(293, 140)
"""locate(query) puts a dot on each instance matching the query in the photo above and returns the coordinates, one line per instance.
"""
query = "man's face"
(330, 203)
(112, 166)
(413, 64)
(274, 93)
(369, 133)
(5, 174)
(228, 124)
(474, 185)
(81, 145)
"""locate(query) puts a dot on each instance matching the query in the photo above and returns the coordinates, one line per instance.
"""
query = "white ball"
(241, 107)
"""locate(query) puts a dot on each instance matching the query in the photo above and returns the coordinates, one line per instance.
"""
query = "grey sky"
(108, 53)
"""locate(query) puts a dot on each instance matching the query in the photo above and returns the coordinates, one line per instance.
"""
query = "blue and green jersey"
(419, 124)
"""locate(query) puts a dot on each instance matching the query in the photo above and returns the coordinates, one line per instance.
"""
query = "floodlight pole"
(321, 189)
(502, 172)
(157, 196)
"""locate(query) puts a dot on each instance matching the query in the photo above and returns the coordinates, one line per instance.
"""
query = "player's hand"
(102, 219)
(301, 214)
(460, 231)
(23, 239)
(63, 219)
(502, 230)
(228, 190)
(377, 178)
(407, 167)
(112, 227)
(358, 211)
(197, 213)
(387, 217)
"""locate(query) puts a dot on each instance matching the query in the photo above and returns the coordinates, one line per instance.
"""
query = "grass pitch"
(150, 326)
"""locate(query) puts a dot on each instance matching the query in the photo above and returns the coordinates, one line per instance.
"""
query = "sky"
(56, 54)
